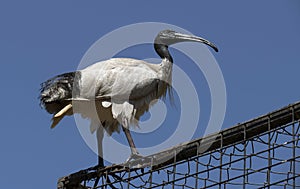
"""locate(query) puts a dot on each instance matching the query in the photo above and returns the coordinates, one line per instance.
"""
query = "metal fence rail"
(260, 153)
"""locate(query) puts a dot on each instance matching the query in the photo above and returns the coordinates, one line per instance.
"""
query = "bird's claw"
(133, 157)
(97, 167)
(136, 160)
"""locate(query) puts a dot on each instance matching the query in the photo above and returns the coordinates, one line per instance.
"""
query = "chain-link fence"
(261, 153)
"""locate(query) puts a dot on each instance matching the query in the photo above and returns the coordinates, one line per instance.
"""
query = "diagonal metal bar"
(217, 142)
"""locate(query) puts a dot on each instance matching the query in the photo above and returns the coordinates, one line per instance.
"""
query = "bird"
(113, 94)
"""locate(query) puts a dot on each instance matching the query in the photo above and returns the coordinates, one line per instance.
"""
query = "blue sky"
(259, 57)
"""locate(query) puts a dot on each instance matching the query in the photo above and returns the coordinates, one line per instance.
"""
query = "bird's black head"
(168, 37)
(165, 37)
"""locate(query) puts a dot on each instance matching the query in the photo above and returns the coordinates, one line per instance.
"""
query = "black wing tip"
(57, 89)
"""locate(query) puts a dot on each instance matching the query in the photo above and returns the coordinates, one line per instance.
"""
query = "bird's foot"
(133, 157)
(97, 167)
(136, 160)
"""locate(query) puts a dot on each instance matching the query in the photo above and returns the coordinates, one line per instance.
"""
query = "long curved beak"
(179, 37)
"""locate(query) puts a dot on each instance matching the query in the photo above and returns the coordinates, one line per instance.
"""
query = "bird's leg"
(100, 134)
(100, 165)
(130, 141)
(134, 153)
(100, 147)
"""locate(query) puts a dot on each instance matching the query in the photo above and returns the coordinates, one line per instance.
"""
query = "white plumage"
(130, 86)
(114, 93)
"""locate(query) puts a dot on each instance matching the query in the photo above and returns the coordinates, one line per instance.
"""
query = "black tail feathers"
(55, 91)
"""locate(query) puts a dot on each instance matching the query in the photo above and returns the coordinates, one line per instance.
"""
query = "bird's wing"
(119, 79)
(126, 85)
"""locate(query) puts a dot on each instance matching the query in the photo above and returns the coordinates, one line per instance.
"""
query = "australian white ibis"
(120, 89)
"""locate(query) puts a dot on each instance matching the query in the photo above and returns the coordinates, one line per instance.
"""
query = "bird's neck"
(163, 52)
(167, 62)
(166, 70)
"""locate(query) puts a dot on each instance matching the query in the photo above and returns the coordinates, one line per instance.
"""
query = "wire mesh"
(261, 153)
